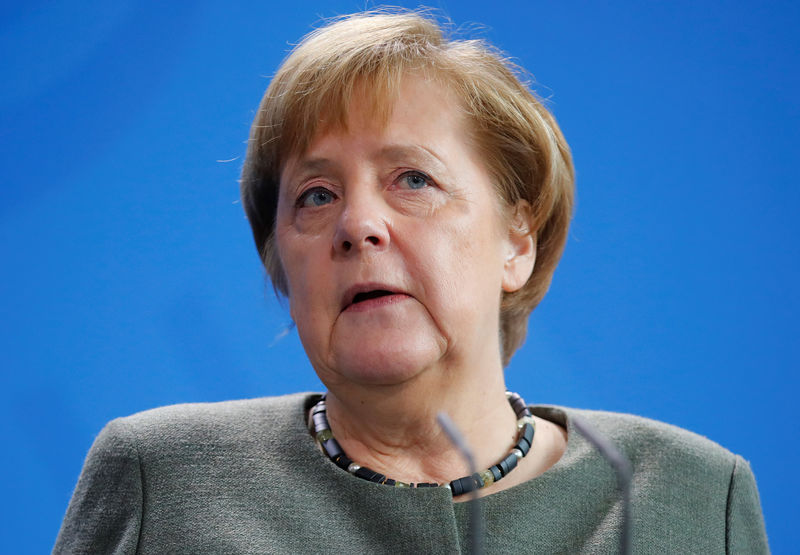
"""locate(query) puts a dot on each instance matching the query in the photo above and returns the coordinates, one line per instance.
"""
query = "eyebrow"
(307, 166)
(303, 169)
(414, 154)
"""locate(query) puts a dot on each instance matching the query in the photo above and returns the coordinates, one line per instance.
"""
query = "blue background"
(129, 278)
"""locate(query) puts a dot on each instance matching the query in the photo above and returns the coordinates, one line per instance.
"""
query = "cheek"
(475, 243)
(299, 274)
(295, 250)
(461, 264)
(309, 277)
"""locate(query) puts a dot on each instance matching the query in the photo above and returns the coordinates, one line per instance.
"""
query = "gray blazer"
(246, 477)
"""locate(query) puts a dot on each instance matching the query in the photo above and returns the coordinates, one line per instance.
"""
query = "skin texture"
(405, 207)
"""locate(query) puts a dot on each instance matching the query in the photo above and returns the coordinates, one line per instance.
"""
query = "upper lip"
(350, 294)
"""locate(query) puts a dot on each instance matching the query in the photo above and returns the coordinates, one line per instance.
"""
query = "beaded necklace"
(318, 424)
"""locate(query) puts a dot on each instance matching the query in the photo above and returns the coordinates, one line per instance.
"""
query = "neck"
(393, 429)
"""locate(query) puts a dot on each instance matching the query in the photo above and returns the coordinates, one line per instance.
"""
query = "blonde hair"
(522, 146)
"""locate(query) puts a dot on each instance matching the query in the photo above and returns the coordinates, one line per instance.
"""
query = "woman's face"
(394, 245)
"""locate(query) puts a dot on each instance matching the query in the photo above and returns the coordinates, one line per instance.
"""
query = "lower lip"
(377, 302)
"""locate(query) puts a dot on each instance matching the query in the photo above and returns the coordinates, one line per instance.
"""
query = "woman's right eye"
(314, 197)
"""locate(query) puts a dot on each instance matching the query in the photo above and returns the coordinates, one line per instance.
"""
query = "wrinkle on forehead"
(372, 96)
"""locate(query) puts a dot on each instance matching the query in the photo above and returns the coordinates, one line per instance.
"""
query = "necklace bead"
(526, 428)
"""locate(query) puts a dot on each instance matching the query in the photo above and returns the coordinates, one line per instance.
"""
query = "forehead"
(418, 109)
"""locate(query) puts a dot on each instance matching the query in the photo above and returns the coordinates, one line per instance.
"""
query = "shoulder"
(224, 413)
(647, 441)
(196, 426)
(685, 487)
(153, 479)
(674, 470)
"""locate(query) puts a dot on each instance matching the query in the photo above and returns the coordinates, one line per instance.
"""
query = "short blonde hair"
(523, 148)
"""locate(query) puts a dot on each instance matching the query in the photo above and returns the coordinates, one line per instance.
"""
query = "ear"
(521, 249)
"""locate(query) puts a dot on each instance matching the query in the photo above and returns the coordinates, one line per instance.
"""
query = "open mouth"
(366, 297)
(369, 295)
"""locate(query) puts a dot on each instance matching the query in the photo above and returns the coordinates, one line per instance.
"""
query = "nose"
(362, 224)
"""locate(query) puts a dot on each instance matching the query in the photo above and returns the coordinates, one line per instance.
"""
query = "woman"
(411, 199)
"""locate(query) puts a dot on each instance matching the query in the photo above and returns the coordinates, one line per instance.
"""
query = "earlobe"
(521, 256)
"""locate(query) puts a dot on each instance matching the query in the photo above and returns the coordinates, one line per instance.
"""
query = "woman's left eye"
(414, 180)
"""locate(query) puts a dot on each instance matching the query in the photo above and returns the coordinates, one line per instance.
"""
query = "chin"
(387, 363)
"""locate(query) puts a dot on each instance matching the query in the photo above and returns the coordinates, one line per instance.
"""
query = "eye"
(316, 196)
(414, 180)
